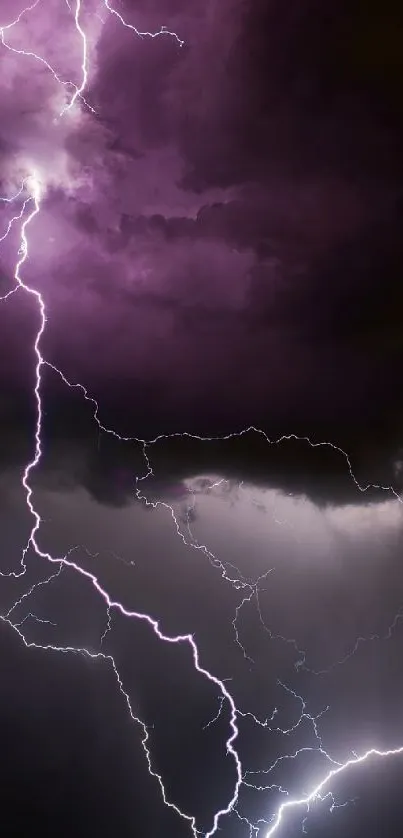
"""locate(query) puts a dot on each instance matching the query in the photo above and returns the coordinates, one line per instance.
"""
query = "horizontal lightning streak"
(162, 31)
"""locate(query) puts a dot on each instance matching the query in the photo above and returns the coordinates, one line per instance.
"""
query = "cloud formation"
(214, 248)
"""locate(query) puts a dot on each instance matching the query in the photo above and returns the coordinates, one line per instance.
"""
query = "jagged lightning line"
(162, 31)
(34, 187)
(266, 723)
(29, 54)
(84, 64)
(14, 219)
(315, 794)
(283, 438)
(286, 758)
(65, 562)
(33, 588)
(241, 779)
(36, 196)
(358, 643)
(31, 616)
(178, 639)
(332, 807)
(144, 741)
(251, 429)
(217, 716)
(238, 582)
(13, 197)
(254, 589)
(10, 225)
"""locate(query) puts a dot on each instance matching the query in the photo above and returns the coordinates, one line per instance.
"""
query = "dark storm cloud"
(76, 454)
(290, 205)
(299, 89)
(229, 233)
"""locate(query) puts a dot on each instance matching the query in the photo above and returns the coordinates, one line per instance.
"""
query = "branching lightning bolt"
(315, 794)
(188, 639)
(35, 193)
(78, 91)
(32, 191)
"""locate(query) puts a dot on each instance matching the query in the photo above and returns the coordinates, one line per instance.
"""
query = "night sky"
(201, 413)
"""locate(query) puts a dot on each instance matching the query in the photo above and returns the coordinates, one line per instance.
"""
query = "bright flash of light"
(315, 794)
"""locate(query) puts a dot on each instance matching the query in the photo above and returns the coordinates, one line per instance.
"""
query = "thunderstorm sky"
(217, 249)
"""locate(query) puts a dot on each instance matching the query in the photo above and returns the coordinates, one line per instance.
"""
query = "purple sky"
(213, 243)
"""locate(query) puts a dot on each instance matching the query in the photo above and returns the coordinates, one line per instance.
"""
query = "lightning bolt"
(84, 64)
(161, 31)
(32, 190)
(315, 794)
(29, 54)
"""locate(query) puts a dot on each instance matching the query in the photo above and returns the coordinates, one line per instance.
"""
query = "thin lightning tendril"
(30, 209)
(162, 31)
